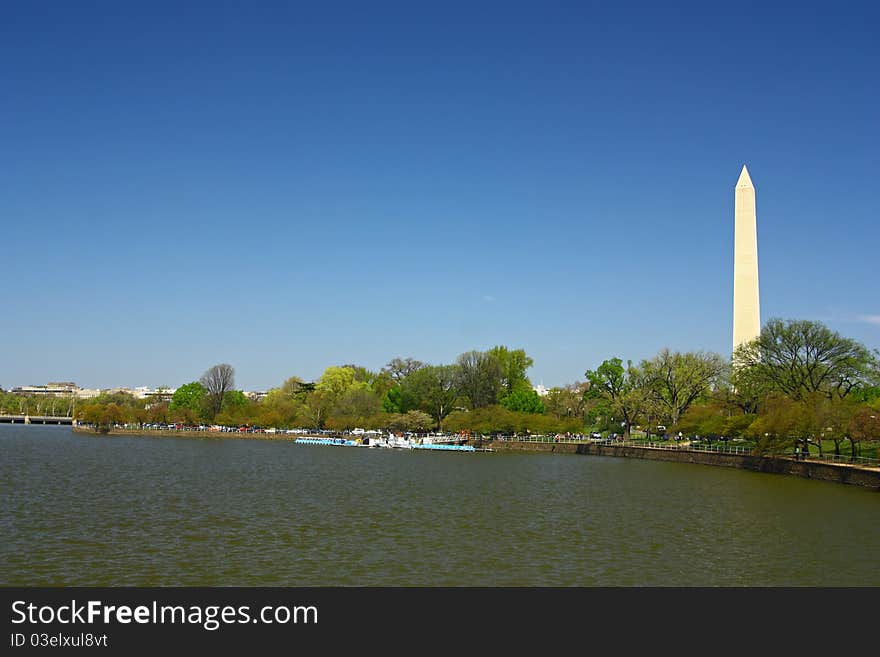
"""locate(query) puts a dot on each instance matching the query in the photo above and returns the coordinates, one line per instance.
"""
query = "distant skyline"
(288, 187)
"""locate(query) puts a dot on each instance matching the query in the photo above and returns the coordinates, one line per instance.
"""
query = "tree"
(478, 378)
(676, 380)
(237, 409)
(781, 424)
(714, 418)
(337, 380)
(283, 406)
(831, 418)
(799, 357)
(356, 402)
(863, 426)
(524, 401)
(103, 416)
(392, 402)
(569, 401)
(747, 389)
(295, 388)
(417, 421)
(706, 420)
(317, 407)
(786, 422)
(235, 398)
(400, 368)
(381, 384)
(217, 381)
(364, 375)
(158, 413)
(623, 391)
(432, 389)
(188, 396)
(513, 364)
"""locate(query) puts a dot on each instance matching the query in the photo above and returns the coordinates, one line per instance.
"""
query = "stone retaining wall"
(835, 472)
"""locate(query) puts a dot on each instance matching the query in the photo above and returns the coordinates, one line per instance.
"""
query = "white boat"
(390, 442)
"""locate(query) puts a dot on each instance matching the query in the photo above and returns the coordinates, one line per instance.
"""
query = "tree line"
(798, 384)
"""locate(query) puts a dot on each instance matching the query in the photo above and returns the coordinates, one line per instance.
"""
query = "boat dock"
(390, 444)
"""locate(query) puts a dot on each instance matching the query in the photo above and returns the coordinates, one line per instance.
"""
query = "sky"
(296, 185)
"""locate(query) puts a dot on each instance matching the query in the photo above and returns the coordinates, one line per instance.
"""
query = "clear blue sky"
(298, 185)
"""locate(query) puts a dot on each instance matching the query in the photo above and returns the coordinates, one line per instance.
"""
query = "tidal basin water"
(135, 511)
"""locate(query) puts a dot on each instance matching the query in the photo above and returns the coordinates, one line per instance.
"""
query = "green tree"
(235, 398)
(479, 378)
(381, 384)
(417, 421)
(337, 380)
(782, 424)
(158, 413)
(103, 416)
(432, 389)
(623, 391)
(317, 408)
(523, 400)
(569, 401)
(357, 402)
(392, 402)
(400, 368)
(714, 418)
(189, 396)
(863, 426)
(369, 377)
(676, 380)
(799, 357)
(513, 364)
(294, 388)
(283, 407)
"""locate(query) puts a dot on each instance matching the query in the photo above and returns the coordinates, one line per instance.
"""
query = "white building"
(144, 392)
(51, 389)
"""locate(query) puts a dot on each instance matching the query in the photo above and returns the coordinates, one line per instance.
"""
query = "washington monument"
(746, 302)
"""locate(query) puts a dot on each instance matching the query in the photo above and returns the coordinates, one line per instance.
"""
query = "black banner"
(123, 620)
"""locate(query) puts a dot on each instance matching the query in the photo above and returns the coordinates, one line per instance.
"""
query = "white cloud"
(488, 297)
(870, 319)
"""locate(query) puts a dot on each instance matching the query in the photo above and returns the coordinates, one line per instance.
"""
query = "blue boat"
(336, 442)
(446, 448)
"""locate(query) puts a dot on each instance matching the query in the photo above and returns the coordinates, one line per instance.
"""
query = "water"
(87, 510)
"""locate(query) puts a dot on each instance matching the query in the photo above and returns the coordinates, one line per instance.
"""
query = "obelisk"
(746, 302)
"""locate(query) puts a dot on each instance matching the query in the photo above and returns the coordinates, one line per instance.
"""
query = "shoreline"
(853, 475)
(199, 435)
(841, 473)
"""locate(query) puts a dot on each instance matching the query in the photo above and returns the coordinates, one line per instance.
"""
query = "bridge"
(36, 419)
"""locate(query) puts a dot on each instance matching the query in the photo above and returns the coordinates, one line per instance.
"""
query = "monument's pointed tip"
(744, 178)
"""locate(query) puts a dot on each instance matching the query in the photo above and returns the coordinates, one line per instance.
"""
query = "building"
(52, 389)
(144, 392)
(70, 389)
(87, 393)
(541, 389)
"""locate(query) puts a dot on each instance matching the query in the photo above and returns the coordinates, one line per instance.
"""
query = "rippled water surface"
(86, 510)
